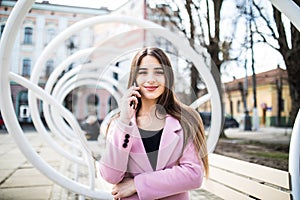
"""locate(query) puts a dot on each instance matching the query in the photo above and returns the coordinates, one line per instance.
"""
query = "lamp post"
(279, 100)
(244, 93)
(255, 114)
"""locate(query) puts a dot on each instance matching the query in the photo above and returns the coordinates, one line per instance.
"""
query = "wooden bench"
(235, 179)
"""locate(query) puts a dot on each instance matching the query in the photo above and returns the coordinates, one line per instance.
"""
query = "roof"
(264, 78)
(61, 8)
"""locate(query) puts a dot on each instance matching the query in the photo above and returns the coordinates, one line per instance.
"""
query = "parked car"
(91, 126)
(206, 118)
(2, 125)
(229, 121)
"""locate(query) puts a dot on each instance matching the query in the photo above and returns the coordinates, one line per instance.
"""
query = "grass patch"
(273, 155)
(284, 148)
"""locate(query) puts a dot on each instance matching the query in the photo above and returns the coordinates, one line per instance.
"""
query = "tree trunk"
(214, 50)
(292, 62)
(194, 71)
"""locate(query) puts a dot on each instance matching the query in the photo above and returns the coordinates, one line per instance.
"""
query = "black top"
(151, 141)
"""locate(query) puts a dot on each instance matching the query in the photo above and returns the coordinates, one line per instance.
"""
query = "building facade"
(272, 95)
(45, 21)
(42, 23)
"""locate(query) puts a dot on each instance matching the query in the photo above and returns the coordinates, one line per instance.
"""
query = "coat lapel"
(138, 153)
(168, 144)
(169, 141)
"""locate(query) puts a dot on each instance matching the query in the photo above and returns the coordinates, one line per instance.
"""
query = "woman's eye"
(159, 72)
(142, 72)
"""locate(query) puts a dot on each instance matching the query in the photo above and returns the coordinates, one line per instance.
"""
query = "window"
(50, 35)
(71, 66)
(93, 100)
(26, 67)
(115, 75)
(49, 67)
(71, 45)
(93, 104)
(238, 106)
(1, 29)
(28, 35)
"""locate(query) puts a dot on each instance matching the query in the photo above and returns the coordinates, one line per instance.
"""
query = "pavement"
(271, 135)
(20, 180)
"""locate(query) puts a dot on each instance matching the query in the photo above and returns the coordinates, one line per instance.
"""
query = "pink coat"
(172, 178)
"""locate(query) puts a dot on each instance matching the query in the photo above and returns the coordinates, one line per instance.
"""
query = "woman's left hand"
(125, 188)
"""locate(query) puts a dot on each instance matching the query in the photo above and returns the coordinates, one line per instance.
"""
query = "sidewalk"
(21, 181)
(271, 135)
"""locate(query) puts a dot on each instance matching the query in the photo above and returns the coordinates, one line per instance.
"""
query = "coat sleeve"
(185, 176)
(114, 161)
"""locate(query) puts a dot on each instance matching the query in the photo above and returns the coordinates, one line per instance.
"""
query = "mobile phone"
(132, 103)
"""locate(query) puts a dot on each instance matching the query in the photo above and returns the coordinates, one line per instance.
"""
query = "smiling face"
(150, 78)
(152, 71)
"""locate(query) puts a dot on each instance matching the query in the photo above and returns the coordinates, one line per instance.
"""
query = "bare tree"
(209, 37)
(203, 29)
(289, 53)
(290, 56)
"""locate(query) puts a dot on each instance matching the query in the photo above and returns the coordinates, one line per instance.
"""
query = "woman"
(156, 147)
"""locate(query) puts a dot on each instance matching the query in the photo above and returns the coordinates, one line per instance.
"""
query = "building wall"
(42, 18)
(82, 109)
(267, 99)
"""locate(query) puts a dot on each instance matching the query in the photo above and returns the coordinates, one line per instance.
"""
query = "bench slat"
(263, 173)
(246, 185)
(223, 191)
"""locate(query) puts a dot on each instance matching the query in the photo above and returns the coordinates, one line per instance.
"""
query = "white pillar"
(61, 53)
(255, 120)
(39, 37)
(16, 63)
(294, 158)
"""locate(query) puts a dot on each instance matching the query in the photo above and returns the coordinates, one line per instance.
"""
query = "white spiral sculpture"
(61, 122)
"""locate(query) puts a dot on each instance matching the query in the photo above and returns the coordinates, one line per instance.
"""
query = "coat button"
(126, 140)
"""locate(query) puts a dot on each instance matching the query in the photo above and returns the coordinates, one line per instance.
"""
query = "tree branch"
(265, 19)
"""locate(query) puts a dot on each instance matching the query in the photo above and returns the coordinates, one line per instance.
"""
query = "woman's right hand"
(125, 188)
(129, 104)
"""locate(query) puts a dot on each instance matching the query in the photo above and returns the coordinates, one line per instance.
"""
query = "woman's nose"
(151, 78)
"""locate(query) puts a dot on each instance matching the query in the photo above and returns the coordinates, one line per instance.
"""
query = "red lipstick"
(151, 88)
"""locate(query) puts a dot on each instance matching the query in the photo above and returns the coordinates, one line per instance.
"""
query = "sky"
(266, 58)
(110, 4)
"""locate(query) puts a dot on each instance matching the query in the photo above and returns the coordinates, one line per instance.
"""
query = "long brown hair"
(189, 119)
